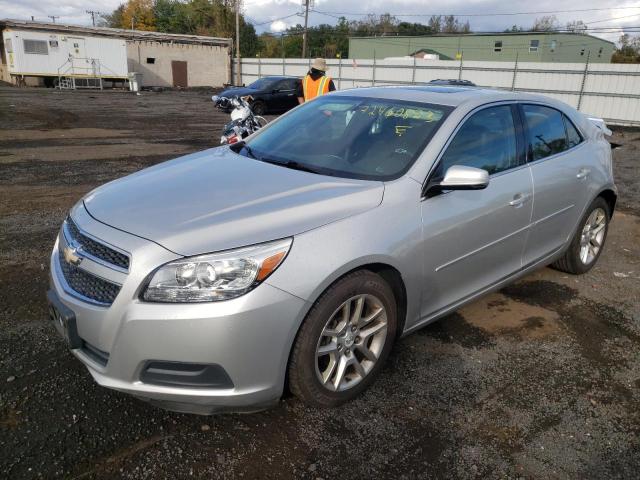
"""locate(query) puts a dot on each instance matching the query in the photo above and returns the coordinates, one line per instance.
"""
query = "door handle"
(518, 200)
(583, 173)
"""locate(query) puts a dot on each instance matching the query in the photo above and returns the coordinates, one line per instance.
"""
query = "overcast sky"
(268, 14)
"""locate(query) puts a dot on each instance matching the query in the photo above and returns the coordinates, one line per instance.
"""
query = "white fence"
(610, 91)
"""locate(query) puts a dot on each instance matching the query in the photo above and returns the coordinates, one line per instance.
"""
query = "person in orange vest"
(315, 82)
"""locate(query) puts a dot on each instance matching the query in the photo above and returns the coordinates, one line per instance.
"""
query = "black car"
(452, 81)
(273, 94)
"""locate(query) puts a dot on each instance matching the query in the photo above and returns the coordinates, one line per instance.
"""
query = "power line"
(611, 19)
(404, 39)
(540, 12)
(398, 33)
(338, 15)
(275, 19)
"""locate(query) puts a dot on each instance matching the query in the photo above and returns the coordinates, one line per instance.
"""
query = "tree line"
(217, 18)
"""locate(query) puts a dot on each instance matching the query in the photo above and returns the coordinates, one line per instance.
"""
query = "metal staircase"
(77, 72)
(65, 83)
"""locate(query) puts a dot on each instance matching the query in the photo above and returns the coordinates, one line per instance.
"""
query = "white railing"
(90, 67)
(609, 91)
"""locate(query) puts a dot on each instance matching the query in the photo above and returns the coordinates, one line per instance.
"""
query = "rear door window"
(487, 140)
(289, 84)
(546, 131)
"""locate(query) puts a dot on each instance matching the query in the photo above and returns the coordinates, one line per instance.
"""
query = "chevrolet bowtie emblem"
(71, 255)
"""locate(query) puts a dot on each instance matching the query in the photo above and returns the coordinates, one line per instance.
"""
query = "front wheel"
(588, 241)
(344, 340)
(260, 121)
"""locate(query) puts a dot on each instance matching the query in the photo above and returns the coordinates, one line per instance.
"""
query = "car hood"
(238, 92)
(216, 200)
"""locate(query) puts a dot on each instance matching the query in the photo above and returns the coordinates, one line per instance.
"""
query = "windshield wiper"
(292, 164)
(238, 147)
(249, 151)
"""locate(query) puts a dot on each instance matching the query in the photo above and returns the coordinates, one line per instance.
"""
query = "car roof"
(277, 77)
(453, 96)
(450, 81)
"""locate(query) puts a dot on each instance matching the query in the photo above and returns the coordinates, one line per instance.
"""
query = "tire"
(259, 107)
(574, 260)
(356, 345)
(261, 121)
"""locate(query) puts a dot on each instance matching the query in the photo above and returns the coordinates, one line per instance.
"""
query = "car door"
(474, 238)
(292, 93)
(284, 96)
(560, 171)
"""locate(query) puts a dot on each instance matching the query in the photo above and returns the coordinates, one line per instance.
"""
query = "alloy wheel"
(592, 236)
(351, 342)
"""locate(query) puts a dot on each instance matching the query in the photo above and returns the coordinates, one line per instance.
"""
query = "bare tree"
(576, 26)
(450, 24)
(547, 23)
(435, 23)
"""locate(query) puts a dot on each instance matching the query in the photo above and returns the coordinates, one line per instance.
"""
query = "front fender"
(390, 235)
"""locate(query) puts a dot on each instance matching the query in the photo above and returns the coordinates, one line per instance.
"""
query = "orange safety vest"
(314, 88)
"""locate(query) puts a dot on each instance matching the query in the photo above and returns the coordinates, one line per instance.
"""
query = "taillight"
(232, 139)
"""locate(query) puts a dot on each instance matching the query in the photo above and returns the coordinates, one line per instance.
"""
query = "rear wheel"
(344, 340)
(588, 241)
(259, 107)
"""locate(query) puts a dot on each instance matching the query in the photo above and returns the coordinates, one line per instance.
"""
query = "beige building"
(167, 64)
(35, 53)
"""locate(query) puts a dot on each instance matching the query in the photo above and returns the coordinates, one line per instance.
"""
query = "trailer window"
(38, 47)
(9, 45)
(151, 60)
(533, 45)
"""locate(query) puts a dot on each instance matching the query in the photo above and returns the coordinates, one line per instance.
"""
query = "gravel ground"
(539, 380)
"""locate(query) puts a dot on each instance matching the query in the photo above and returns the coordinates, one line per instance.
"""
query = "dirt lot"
(540, 380)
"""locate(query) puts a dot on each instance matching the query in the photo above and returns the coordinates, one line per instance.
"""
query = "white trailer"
(71, 60)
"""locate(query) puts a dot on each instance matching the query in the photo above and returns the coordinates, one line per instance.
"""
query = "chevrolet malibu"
(209, 282)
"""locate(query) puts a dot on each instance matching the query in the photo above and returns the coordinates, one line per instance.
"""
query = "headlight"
(216, 276)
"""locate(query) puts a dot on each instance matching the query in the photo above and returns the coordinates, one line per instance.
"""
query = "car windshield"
(262, 83)
(352, 137)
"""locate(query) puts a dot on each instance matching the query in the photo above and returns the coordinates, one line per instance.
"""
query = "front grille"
(88, 285)
(96, 249)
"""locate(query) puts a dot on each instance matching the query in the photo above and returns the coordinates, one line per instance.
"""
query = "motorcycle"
(243, 121)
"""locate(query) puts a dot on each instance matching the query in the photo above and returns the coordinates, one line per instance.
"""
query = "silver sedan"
(300, 255)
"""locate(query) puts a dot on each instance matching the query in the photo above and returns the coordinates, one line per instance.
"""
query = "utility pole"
(53, 17)
(238, 80)
(93, 14)
(306, 4)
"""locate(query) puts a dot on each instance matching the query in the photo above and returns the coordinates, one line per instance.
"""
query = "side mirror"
(460, 177)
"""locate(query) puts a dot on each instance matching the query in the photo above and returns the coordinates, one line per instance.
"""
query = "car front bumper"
(247, 338)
